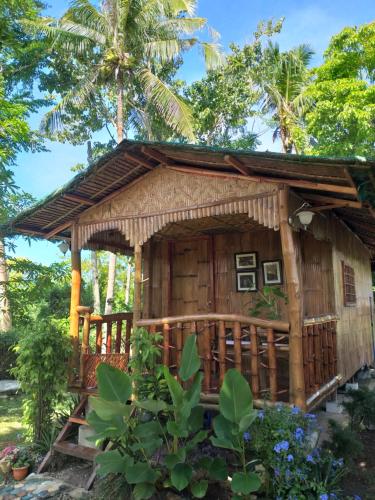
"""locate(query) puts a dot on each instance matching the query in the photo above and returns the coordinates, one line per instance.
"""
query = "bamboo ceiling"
(346, 186)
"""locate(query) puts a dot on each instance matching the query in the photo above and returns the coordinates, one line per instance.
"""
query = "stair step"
(78, 420)
(76, 450)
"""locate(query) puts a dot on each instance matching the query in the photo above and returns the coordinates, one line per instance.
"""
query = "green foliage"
(7, 355)
(343, 92)
(41, 368)
(344, 442)
(147, 373)
(283, 440)
(361, 408)
(267, 302)
(154, 441)
(231, 428)
(22, 458)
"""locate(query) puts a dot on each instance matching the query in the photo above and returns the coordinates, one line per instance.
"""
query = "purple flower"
(277, 472)
(310, 459)
(299, 433)
(310, 416)
(246, 436)
(261, 414)
(323, 496)
(282, 446)
(295, 410)
(290, 458)
(357, 497)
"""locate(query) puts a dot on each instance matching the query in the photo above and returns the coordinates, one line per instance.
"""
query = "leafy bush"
(344, 442)
(267, 304)
(361, 408)
(7, 355)
(42, 371)
(155, 442)
(147, 373)
(282, 440)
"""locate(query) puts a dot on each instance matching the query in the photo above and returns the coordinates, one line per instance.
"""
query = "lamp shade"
(305, 217)
(63, 247)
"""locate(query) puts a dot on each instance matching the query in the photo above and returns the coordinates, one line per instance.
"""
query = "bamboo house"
(209, 229)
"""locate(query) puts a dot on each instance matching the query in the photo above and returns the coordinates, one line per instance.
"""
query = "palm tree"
(284, 78)
(125, 40)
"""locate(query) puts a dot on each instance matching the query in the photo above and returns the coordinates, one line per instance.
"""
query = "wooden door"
(191, 277)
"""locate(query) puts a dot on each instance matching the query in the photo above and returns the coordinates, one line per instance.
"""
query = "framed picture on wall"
(247, 260)
(247, 281)
(272, 272)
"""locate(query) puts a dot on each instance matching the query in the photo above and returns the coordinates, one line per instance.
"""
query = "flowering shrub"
(8, 453)
(282, 439)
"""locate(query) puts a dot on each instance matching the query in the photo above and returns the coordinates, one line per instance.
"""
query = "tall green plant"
(42, 354)
(154, 441)
(232, 427)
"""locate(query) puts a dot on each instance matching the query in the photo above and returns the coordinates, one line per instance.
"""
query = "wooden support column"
(137, 283)
(75, 298)
(295, 305)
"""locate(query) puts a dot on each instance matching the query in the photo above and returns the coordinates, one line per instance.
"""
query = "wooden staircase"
(65, 447)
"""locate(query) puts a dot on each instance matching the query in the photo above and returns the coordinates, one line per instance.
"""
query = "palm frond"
(186, 25)
(171, 107)
(53, 120)
(167, 50)
(86, 14)
(177, 6)
(82, 31)
(213, 56)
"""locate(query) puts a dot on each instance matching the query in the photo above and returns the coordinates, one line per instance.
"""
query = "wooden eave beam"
(238, 165)
(78, 199)
(137, 159)
(156, 155)
(316, 186)
(58, 229)
(330, 200)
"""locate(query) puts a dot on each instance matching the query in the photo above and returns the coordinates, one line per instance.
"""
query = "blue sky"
(306, 21)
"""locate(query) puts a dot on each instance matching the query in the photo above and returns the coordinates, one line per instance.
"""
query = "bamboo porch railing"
(319, 352)
(255, 347)
(110, 344)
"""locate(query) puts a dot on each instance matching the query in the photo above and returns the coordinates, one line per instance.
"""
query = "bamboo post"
(325, 347)
(310, 337)
(255, 385)
(334, 345)
(109, 337)
(118, 337)
(295, 306)
(85, 346)
(99, 337)
(272, 363)
(306, 358)
(206, 345)
(331, 363)
(75, 298)
(178, 336)
(222, 351)
(317, 357)
(128, 335)
(166, 344)
(237, 346)
(137, 283)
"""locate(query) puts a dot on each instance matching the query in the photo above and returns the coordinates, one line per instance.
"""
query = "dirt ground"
(361, 478)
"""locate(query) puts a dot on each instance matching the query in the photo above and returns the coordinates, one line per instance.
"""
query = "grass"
(11, 429)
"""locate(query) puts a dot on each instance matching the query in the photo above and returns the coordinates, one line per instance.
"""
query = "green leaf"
(181, 475)
(152, 405)
(247, 420)
(175, 458)
(190, 362)
(195, 420)
(111, 462)
(140, 473)
(148, 430)
(224, 443)
(199, 489)
(193, 394)
(113, 384)
(143, 491)
(107, 410)
(175, 389)
(177, 430)
(245, 483)
(112, 428)
(235, 399)
(218, 469)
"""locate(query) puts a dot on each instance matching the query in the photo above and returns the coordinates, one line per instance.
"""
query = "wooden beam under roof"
(238, 165)
(137, 159)
(156, 155)
(328, 199)
(316, 186)
(58, 229)
(78, 199)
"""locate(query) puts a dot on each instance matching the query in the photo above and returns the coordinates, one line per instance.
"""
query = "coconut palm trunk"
(6, 317)
(95, 282)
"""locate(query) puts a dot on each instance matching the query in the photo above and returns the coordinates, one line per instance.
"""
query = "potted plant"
(6, 458)
(21, 464)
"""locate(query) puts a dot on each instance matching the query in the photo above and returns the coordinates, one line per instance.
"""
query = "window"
(348, 279)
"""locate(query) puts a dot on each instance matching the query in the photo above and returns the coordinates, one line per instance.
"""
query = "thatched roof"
(346, 184)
